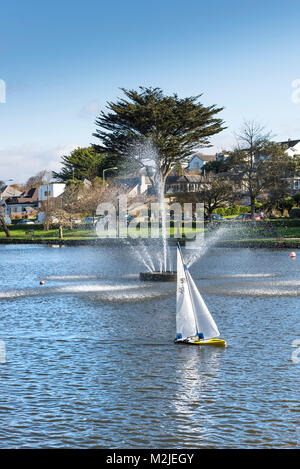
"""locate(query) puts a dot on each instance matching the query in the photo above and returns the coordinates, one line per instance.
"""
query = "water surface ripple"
(91, 361)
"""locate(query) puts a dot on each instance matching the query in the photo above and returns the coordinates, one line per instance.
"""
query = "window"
(296, 184)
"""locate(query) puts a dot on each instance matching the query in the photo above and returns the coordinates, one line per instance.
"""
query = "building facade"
(49, 191)
(25, 203)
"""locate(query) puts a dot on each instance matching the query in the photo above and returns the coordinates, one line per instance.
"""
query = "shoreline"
(271, 243)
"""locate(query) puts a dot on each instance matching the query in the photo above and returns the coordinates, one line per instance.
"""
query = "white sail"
(204, 320)
(185, 318)
(192, 314)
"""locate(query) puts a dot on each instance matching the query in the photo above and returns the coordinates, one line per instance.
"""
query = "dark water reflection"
(91, 360)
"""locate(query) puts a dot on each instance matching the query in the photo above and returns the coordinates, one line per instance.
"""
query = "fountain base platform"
(168, 276)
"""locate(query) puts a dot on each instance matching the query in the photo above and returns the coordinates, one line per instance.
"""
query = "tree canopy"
(260, 164)
(40, 178)
(248, 159)
(217, 166)
(278, 169)
(84, 163)
(214, 193)
(175, 126)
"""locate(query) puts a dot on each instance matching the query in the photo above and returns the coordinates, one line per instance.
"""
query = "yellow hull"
(215, 342)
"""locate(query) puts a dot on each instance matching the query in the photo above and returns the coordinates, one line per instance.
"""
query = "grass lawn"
(52, 233)
(272, 229)
(78, 233)
(288, 232)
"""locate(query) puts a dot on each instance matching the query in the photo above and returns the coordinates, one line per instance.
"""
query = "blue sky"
(63, 60)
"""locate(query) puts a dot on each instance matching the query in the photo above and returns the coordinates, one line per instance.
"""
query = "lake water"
(91, 363)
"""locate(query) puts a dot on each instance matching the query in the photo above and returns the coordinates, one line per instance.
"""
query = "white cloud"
(21, 162)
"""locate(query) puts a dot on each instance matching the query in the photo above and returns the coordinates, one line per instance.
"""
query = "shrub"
(36, 226)
(296, 198)
(295, 213)
(232, 210)
(245, 209)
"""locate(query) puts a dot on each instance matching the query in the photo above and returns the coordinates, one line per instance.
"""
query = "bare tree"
(56, 215)
(214, 192)
(248, 159)
(81, 199)
(42, 177)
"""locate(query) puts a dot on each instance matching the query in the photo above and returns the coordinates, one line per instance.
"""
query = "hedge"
(35, 226)
(233, 210)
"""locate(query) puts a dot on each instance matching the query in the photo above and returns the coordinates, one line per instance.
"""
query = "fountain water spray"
(155, 252)
(147, 158)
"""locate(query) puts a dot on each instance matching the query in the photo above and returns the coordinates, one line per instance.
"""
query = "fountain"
(167, 276)
(155, 253)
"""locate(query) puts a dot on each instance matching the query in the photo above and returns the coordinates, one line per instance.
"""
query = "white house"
(25, 203)
(198, 160)
(135, 185)
(293, 147)
(4, 212)
(50, 190)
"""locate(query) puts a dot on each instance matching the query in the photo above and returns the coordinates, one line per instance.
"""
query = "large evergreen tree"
(84, 163)
(174, 126)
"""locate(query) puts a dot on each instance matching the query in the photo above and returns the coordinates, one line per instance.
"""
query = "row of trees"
(259, 165)
(147, 129)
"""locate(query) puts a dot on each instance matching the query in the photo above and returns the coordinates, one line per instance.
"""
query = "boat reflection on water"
(198, 393)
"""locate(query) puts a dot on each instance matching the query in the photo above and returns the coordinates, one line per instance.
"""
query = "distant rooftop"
(29, 196)
(290, 143)
(9, 191)
(203, 157)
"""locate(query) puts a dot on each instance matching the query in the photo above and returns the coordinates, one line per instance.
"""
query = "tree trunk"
(252, 201)
(5, 229)
(47, 223)
(60, 231)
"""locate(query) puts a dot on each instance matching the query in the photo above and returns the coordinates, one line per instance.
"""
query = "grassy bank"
(37, 232)
(271, 233)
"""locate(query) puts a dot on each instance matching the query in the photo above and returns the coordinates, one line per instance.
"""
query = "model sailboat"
(194, 323)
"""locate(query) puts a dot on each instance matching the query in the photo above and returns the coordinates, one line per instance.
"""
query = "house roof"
(129, 182)
(184, 178)
(203, 157)
(174, 179)
(29, 197)
(290, 143)
(9, 191)
(194, 177)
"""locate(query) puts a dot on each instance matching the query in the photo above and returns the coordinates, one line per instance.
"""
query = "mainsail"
(192, 314)
(185, 319)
